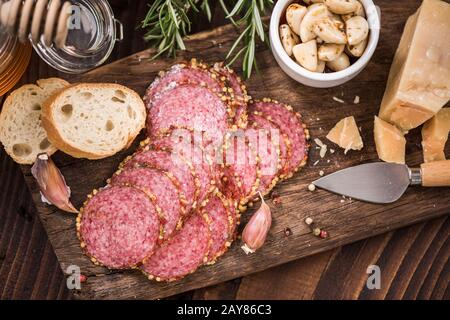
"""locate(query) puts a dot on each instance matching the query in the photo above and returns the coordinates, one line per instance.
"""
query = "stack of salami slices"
(175, 204)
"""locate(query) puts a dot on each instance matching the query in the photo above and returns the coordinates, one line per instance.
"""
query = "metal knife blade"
(378, 182)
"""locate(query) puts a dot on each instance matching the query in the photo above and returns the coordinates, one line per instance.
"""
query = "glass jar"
(93, 32)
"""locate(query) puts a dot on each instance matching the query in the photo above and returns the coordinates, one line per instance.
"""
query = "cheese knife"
(383, 182)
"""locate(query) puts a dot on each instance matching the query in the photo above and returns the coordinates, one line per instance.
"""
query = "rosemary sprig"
(250, 12)
(168, 23)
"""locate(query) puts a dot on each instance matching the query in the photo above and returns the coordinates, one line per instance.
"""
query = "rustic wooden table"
(414, 260)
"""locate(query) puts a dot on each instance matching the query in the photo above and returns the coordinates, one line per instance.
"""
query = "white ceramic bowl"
(322, 80)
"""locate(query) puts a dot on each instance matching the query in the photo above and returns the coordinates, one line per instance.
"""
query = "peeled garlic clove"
(306, 55)
(340, 63)
(357, 30)
(329, 32)
(330, 51)
(341, 6)
(315, 13)
(320, 66)
(256, 230)
(52, 183)
(357, 50)
(294, 16)
(288, 38)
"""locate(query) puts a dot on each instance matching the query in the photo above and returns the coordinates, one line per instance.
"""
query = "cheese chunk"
(435, 135)
(389, 141)
(419, 79)
(346, 135)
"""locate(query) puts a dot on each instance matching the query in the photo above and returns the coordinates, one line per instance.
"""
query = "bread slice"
(93, 120)
(21, 132)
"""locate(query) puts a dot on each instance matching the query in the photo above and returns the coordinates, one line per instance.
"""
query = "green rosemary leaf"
(236, 8)
(180, 41)
(205, 7)
(258, 22)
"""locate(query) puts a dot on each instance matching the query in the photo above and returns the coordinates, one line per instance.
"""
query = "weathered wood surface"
(346, 222)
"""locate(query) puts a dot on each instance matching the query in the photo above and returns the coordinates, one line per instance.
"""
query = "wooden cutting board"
(345, 220)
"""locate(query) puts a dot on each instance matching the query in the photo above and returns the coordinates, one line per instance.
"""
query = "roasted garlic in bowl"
(324, 43)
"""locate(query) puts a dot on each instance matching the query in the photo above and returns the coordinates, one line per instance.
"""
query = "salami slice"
(182, 254)
(241, 174)
(190, 72)
(237, 91)
(182, 171)
(189, 106)
(265, 136)
(291, 124)
(222, 224)
(118, 227)
(157, 183)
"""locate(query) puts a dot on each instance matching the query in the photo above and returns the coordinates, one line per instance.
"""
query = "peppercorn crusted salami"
(222, 224)
(190, 106)
(157, 183)
(265, 136)
(182, 142)
(281, 138)
(291, 124)
(182, 254)
(240, 168)
(118, 227)
(173, 165)
(192, 72)
(237, 92)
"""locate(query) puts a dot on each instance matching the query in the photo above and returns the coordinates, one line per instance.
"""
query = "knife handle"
(436, 174)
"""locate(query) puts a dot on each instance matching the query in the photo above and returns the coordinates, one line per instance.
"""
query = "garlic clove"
(52, 183)
(329, 31)
(357, 29)
(294, 16)
(256, 230)
(306, 54)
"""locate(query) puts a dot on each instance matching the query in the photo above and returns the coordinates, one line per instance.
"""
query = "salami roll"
(182, 254)
(118, 227)
(176, 167)
(182, 141)
(167, 195)
(190, 72)
(265, 135)
(190, 106)
(237, 92)
(289, 123)
(222, 226)
(240, 168)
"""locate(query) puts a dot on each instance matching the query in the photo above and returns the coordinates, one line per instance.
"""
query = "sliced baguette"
(21, 132)
(93, 120)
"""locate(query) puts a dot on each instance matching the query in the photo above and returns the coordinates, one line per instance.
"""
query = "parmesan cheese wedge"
(389, 141)
(435, 135)
(346, 135)
(419, 83)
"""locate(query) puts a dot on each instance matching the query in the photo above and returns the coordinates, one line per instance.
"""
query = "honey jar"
(71, 36)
